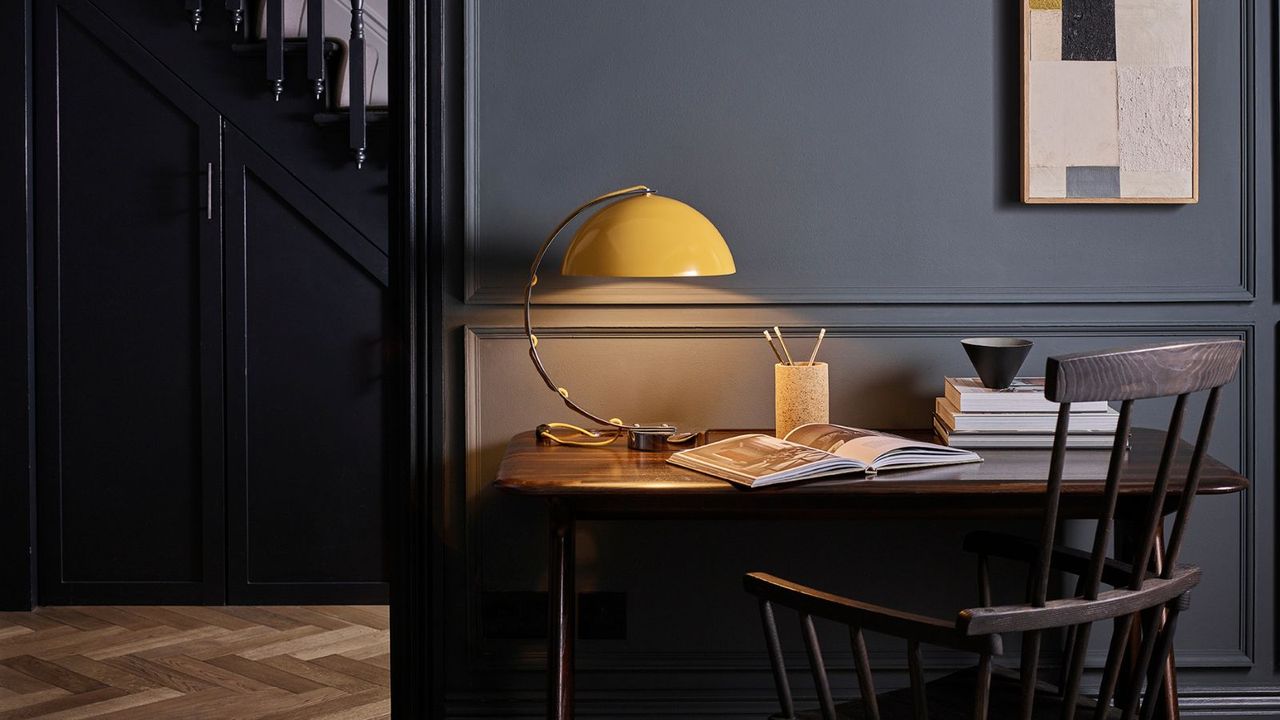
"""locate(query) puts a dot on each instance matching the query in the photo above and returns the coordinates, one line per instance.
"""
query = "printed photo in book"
(814, 451)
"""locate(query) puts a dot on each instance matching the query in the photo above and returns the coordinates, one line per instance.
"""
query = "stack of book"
(972, 416)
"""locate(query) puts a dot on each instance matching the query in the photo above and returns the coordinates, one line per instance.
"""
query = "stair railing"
(315, 46)
(358, 120)
(355, 82)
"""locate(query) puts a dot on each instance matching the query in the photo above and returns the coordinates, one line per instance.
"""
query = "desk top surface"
(529, 468)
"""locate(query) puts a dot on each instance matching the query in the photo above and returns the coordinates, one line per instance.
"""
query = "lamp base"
(649, 437)
(654, 438)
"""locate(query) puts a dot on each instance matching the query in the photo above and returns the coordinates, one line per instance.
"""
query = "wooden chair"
(1151, 591)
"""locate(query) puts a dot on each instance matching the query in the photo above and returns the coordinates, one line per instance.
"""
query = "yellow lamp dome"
(648, 236)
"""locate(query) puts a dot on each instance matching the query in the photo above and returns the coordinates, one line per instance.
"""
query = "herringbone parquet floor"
(196, 663)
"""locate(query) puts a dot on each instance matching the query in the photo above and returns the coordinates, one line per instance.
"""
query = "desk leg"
(561, 613)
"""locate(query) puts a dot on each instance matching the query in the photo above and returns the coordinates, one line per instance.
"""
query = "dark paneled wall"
(17, 494)
(161, 478)
(861, 159)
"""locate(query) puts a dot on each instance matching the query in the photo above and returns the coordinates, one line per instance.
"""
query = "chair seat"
(951, 698)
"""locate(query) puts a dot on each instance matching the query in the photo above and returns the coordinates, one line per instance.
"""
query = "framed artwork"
(1110, 101)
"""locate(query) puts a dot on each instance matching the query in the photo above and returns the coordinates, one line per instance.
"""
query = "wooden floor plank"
(311, 671)
(57, 643)
(265, 673)
(107, 674)
(160, 674)
(59, 704)
(39, 640)
(12, 631)
(356, 668)
(187, 707)
(75, 618)
(119, 616)
(373, 646)
(165, 616)
(369, 616)
(56, 675)
(332, 709)
(263, 616)
(195, 663)
(212, 674)
(20, 683)
(34, 620)
(231, 647)
(20, 701)
(310, 643)
(153, 639)
(216, 616)
(311, 617)
(98, 709)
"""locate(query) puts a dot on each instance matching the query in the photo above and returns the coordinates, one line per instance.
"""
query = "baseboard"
(751, 705)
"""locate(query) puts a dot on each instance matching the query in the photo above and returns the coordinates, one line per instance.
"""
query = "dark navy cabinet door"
(129, 322)
(307, 412)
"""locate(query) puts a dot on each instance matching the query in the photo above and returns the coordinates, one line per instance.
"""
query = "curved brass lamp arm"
(528, 303)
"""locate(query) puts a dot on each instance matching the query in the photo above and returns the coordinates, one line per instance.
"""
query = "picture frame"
(1110, 102)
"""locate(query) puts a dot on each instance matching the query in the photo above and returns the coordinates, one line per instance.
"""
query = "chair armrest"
(1077, 611)
(1067, 559)
(868, 616)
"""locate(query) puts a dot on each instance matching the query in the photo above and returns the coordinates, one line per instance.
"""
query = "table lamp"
(640, 234)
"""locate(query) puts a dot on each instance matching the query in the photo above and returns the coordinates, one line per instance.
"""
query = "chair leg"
(775, 659)
(919, 701)
(1030, 664)
(1115, 663)
(866, 685)
(982, 689)
(1159, 662)
(1070, 688)
(1150, 632)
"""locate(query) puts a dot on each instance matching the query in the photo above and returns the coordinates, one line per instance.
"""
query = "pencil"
(783, 343)
(813, 355)
(773, 348)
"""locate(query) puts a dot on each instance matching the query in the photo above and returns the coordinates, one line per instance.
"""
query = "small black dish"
(997, 359)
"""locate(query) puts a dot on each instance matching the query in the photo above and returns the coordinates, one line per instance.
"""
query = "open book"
(813, 451)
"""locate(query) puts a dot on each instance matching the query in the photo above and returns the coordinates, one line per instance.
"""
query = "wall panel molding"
(1237, 651)
(475, 290)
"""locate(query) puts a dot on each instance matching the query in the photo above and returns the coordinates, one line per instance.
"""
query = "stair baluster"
(315, 46)
(236, 8)
(355, 82)
(275, 47)
(195, 8)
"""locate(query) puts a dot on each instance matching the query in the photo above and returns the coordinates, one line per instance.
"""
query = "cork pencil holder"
(801, 396)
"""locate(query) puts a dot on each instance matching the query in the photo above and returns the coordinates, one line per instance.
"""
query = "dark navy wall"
(862, 162)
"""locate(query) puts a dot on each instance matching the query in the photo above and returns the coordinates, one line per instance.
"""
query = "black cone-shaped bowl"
(997, 359)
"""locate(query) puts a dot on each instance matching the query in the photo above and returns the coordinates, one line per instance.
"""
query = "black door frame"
(415, 201)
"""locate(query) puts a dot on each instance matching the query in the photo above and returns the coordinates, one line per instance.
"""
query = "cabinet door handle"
(208, 192)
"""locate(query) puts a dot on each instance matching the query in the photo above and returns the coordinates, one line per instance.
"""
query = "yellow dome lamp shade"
(648, 236)
(637, 234)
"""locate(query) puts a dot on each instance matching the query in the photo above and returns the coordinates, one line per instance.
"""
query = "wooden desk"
(614, 482)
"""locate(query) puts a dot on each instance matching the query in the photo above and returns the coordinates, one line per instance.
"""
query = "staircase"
(345, 42)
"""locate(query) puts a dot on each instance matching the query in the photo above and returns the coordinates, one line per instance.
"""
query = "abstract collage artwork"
(1110, 101)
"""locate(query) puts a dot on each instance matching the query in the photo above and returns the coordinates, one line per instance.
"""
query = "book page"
(865, 446)
(755, 456)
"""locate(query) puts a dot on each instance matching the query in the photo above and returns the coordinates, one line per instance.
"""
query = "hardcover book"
(1026, 394)
(813, 451)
